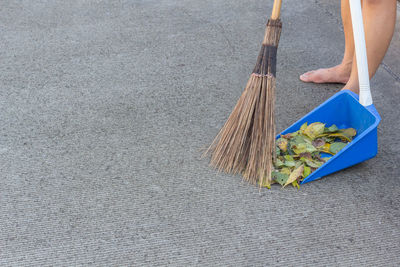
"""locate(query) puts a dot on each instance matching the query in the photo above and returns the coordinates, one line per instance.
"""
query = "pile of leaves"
(298, 154)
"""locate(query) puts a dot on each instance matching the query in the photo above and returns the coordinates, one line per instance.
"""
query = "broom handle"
(276, 10)
(361, 52)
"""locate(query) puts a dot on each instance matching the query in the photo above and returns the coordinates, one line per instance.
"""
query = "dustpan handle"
(361, 52)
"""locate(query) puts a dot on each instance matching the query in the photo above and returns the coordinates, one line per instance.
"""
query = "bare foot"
(337, 74)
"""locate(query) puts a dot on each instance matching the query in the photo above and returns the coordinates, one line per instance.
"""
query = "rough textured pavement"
(105, 106)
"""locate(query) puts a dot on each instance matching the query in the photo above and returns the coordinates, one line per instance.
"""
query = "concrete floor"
(105, 106)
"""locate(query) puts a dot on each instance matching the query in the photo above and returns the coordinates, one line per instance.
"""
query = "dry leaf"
(318, 142)
(282, 144)
(294, 175)
(331, 129)
(303, 148)
(336, 147)
(314, 129)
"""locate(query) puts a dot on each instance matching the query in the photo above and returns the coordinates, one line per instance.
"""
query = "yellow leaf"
(349, 132)
(325, 149)
(294, 175)
(303, 128)
(285, 171)
(314, 129)
(307, 171)
(282, 144)
(303, 148)
(296, 184)
(341, 136)
(265, 184)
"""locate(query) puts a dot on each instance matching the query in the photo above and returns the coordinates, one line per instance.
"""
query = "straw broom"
(246, 142)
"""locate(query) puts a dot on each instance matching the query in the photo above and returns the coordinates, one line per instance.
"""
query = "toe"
(306, 76)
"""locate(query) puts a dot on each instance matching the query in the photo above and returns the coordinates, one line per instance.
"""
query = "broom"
(246, 142)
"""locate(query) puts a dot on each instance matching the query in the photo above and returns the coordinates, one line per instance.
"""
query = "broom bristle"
(246, 142)
(229, 150)
(262, 145)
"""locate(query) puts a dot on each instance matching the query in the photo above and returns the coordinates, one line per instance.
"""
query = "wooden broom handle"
(276, 10)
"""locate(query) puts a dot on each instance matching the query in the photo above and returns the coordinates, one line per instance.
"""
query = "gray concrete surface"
(105, 106)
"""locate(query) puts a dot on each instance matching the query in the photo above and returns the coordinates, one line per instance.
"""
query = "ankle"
(347, 63)
(345, 67)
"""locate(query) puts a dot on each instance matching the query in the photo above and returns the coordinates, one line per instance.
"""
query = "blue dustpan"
(345, 110)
